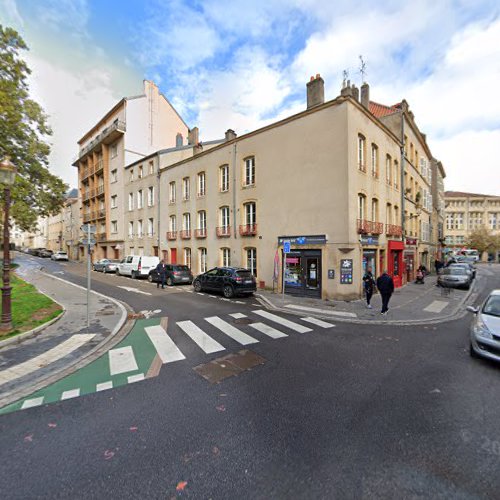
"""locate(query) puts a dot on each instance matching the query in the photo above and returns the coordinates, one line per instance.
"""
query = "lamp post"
(8, 173)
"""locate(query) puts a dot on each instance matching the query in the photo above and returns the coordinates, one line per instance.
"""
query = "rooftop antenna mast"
(362, 69)
(345, 77)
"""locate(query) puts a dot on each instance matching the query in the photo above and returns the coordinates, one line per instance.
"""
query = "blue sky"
(242, 64)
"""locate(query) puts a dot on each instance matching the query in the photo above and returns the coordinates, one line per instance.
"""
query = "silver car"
(485, 328)
(454, 277)
(106, 265)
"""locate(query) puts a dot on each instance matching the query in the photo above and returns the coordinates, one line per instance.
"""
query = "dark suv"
(175, 274)
(228, 280)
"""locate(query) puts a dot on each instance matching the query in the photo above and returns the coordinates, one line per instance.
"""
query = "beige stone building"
(39, 237)
(55, 232)
(71, 227)
(347, 182)
(466, 212)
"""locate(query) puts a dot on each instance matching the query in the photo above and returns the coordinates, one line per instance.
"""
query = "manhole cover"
(243, 321)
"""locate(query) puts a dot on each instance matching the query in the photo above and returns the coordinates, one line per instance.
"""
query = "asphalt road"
(349, 412)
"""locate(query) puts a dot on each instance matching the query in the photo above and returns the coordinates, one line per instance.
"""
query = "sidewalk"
(410, 304)
(58, 349)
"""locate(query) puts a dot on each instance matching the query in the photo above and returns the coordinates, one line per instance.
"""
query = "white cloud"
(10, 13)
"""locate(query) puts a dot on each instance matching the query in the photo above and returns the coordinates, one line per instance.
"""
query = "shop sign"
(346, 272)
(303, 240)
(411, 241)
(369, 240)
(331, 274)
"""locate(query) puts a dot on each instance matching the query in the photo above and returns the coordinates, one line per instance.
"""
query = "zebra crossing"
(152, 345)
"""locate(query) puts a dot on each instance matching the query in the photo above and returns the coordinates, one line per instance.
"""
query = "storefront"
(395, 261)
(370, 244)
(410, 256)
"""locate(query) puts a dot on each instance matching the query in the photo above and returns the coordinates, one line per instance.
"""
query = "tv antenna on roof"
(345, 77)
(362, 69)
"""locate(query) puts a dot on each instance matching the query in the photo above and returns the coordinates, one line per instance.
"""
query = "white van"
(137, 266)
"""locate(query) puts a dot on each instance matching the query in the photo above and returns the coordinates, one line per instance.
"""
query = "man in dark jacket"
(161, 269)
(385, 286)
(369, 285)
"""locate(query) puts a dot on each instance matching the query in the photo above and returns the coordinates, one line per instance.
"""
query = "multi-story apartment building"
(466, 212)
(438, 218)
(134, 128)
(335, 180)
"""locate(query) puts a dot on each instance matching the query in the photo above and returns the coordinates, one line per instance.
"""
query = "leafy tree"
(23, 134)
(483, 240)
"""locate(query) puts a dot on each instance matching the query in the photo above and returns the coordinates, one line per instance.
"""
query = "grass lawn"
(30, 308)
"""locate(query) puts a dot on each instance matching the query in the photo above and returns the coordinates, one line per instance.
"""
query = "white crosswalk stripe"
(73, 393)
(104, 386)
(122, 360)
(31, 403)
(204, 341)
(282, 321)
(268, 330)
(238, 315)
(135, 378)
(231, 331)
(164, 345)
(318, 322)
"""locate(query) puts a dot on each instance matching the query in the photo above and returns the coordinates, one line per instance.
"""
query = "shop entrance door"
(312, 277)
(303, 273)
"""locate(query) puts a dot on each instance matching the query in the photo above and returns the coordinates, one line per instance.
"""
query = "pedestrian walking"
(161, 269)
(369, 286)
(385, 286)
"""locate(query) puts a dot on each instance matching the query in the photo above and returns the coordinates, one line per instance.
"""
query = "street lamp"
(8, 173)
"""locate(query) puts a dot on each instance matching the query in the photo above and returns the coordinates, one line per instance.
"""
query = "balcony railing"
(248, 229)
(99, 190)
(98, 166)
(101, 213)
(223, 231)
(393, 230)
(116, 126)
(86, 217)
(185, 234)
(171, 235)
(86, 195)
(369, 227)
(200, 233)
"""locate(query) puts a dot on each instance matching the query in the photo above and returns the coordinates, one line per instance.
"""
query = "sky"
(242, 65)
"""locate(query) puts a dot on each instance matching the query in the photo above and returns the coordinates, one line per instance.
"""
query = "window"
(114, 150)
(187, 257)
(224, 217)
(201, 184)
(140, 199)
(139, 228)
(131, 201)
(151, 230)
(361, 206)
(173, 223)
(250, 171)
(172, 192)
(374, 210)
(388, 170)
(114, 175)
(493, 220)
(251, 263)
(396, 214)
(224, 178)
(361, 153)
(131, 175)
(374, 159)
(250, 213)
(388, 214)
(113, 201)
(139, 174)
(186, 222)
(396, 174)
(186, 188)
(114, 226)
(225, 257)
(202, 220)
(151, 168)
(151, 196)
(449, 221)
(130, 229)
(202, 260)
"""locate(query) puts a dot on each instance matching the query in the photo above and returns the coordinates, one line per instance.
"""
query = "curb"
(121, 330)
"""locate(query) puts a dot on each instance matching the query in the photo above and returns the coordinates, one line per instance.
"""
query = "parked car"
(137, 266)
(175, 274)
(59, 256)
(465, 265)
(106, 265)
(228, 280)
(485, 328)
(455, 277)
(45, 253)
(36, 251)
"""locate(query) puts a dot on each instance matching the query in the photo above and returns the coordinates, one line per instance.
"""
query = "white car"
(137, 266)
(59, 256)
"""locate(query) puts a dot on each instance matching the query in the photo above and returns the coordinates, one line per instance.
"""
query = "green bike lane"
(96, 375)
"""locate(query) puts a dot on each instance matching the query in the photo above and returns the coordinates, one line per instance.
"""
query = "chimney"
(355, 92)
(178, 140)
(193, 138)
(230, 134)
(315, 91)
(198, 148)
(365, 95)
(346, 89)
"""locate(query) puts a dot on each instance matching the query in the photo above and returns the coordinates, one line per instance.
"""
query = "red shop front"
(395, 261)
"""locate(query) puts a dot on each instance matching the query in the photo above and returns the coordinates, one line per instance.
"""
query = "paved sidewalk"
(53, 351)
(409, 304)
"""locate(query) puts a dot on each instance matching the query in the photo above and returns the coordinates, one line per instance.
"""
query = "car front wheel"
(197, 286)
(228, 291)
(150, 278)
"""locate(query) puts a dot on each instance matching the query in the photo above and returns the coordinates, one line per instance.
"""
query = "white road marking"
(122, 360)
(268, 330)
(239, 302)
(33, 364)
(73, 393)
(204, 341)
(164, 345)
(104, 386)
(30, 403)
(238, 315)
(322, 311)
(225, 300)
(199, 293)
(318, 322)
(231, 331)
(135, 290)
(135, 378)
(436, 307)
(282, 321)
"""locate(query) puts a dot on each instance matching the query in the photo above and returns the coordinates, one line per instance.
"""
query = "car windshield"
(492, 306)
(455, 270)
(181, 268)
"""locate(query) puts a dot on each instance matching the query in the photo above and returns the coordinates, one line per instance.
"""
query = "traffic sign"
(286, 246)
(86, 241)
(89, 228)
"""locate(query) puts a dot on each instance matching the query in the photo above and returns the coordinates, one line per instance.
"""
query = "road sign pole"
(88, 276)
